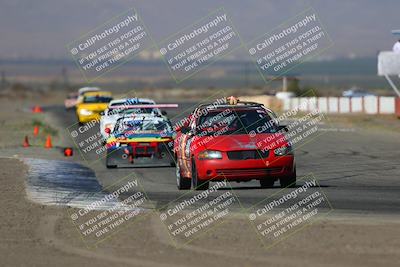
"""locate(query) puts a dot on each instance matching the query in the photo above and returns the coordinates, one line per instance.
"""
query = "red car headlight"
(210, 154)
(282, 151)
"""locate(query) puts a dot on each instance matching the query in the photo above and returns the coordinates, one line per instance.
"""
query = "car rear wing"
(145, 106)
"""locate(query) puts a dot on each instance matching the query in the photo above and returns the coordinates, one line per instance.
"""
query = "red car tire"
(268, 182)
(198, 184)
(182, 183)
(289, 181)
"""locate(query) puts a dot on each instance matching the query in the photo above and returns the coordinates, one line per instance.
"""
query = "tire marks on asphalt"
(56, 182)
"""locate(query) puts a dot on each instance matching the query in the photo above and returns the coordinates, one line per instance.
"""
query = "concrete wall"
(367, 105)
(338, 105)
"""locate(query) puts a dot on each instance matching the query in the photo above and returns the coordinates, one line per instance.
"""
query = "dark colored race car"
(234, 141)
(139, 141)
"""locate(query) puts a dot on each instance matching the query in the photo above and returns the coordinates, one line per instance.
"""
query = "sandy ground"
(37, 235)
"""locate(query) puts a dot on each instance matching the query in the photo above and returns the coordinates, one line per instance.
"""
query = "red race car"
(233, 141)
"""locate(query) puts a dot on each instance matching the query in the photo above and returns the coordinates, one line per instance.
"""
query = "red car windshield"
(235, 121)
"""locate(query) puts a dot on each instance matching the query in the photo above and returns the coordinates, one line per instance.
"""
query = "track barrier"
(37, 109)
(68, 152)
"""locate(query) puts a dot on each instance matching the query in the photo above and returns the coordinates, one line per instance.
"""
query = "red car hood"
(242, 142)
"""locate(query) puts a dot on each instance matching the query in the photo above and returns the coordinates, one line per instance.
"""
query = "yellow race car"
(91, 104)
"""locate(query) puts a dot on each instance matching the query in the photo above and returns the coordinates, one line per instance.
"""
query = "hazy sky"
(42, 28)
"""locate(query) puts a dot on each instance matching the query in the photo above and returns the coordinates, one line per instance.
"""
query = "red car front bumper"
(245, 170)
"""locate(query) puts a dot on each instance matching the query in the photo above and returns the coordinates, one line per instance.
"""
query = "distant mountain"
(42, 28)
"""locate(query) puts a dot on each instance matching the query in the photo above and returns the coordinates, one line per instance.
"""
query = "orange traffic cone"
(48, 142)
(26, 142)
(37, 109)
(36, 130)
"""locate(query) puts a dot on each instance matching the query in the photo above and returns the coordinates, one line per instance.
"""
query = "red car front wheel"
(289, 181)
(183, 183)
(267, 182)
(197, 184)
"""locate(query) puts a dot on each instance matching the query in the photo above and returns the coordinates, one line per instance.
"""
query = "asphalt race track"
(357, 169)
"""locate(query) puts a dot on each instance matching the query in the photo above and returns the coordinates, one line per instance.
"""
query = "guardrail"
(366, 104)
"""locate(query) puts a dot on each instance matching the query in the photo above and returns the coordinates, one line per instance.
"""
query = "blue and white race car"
(117, 108)
(140, 141)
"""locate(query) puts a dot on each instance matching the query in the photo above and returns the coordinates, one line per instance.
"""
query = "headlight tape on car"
(210, 154)
(282, 151)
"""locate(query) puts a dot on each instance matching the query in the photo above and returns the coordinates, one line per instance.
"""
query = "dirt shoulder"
(25, 226)
(36, 235)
